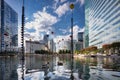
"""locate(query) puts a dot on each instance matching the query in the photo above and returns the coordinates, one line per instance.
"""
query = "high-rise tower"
(8, 27)
(102, 21)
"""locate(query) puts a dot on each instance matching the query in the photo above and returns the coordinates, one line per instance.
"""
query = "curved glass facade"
(103, 21)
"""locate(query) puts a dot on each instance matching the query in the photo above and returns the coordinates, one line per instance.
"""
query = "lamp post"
(22, 31)
(72, 7)
(22, 40)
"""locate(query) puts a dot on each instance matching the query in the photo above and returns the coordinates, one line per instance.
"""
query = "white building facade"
(32, 46)
(103, 21)
(52, 45)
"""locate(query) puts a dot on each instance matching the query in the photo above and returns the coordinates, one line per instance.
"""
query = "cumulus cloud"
(26, 18)
(63, 31)
(60, 37)
(76, 29)
(33, 35)
(57, 2)
(82, 29)
(42, 22)
(81, 2)
(62, 9)
(62, 1)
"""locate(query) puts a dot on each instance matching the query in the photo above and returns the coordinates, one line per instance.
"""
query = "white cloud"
(57, 2)
(63, 30)
(76, 29)
(81, 2)
(62, 1)
(26, 18)
(60, 37)
(62, 9)
(42, 22)
(33, 35)
(82, 30)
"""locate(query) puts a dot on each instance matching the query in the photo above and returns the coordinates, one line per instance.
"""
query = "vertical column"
(72, 52)
(22, 32)
(22, 41)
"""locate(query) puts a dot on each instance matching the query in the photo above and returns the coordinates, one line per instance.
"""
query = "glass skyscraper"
(102, 21)
(80, 36)
(86, 31)
(9, 27)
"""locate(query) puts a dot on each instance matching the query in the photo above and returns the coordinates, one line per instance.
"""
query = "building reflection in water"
(36, 62)
(12, 68)
(83, 69)
(8, 68)
(99, 65)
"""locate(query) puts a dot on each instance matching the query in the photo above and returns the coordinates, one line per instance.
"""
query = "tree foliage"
(115, 44)
(64, 51)
(41, 52)
(88, 50)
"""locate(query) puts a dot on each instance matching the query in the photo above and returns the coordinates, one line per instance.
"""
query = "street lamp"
(22, 40)
(22, 31)
(72, 7)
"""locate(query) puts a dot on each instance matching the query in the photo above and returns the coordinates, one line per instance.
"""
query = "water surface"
(86, 68)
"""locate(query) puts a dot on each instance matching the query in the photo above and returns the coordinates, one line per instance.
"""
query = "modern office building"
(80, 36)
(66, 45)
(32, 46)
(79, 43)
(52, 45)
(86, 31)
(102, 22)
(8, 27)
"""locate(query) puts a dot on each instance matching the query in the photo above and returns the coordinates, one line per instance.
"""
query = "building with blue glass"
(80, 36)
(102, 22)
(79, 42)
(8, 27)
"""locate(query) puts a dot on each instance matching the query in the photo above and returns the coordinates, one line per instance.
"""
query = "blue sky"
(44, 16)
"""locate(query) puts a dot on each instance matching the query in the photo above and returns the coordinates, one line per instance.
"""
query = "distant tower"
(80, 36)
(79, 44)
(102, 22)
(46, 38)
